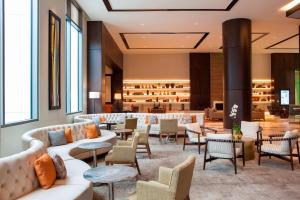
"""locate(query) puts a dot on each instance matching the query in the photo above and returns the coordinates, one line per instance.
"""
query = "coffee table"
(108, 124)
(124, 133)
(110, 175)
(93, 146)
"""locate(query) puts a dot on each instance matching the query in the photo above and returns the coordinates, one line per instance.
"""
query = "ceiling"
(171, 26)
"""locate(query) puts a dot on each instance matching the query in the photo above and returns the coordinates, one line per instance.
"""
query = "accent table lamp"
(93, 96)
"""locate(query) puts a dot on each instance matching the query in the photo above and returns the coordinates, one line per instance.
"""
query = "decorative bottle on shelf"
(172, 85)
(127, 93)
(177, 99)
(147, 92)
(156, 99)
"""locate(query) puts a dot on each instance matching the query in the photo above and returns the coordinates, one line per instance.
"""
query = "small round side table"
(124, 133)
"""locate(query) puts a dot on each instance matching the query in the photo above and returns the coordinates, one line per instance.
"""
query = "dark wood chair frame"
(146, 148)
(233, 160)
(279, 138)
(135, 164)
(199, 135)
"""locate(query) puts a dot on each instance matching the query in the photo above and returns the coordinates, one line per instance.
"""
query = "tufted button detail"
(16, 181)
(11, 194)
(23, 189)
(20, 167)
(2, 185)
(8, 171)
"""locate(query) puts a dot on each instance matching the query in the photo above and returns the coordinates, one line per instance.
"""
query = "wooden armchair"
(172, 184)
(280, 146)
(196, 135)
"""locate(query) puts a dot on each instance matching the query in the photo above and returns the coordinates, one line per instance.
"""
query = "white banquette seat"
(18, 179)
(183, 118)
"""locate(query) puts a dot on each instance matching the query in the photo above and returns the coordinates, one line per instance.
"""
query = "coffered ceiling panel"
(163, 40)
(169, 5)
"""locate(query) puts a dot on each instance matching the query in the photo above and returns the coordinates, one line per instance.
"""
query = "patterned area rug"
(273, 180)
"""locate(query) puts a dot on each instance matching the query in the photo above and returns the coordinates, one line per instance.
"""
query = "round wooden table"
(110, 175)
(93, 146)
(108, 124)
(249, 145)
(124, 133)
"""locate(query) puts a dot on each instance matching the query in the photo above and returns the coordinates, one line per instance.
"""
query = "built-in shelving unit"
(262, 92)
(173, 94)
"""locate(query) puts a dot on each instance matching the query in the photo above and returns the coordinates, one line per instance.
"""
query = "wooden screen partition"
(200, 80)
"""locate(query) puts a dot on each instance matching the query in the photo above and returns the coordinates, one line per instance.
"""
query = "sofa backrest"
(78, 133)
(17, 174)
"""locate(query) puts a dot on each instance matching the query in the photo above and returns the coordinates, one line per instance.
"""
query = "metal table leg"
(94, 158)
(111, 191)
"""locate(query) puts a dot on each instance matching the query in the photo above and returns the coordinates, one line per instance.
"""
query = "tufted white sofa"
(18, 179)
(154, 130)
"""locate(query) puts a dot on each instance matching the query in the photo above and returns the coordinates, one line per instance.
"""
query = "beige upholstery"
(193, 137)
(143, 140)
(131, 123)
(250, 129)
(141, 118)
(124, 152)
(172, 184)
(215, 114)
(168, 127)
(18, 179)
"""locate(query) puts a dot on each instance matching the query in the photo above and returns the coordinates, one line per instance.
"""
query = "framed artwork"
(54, 62)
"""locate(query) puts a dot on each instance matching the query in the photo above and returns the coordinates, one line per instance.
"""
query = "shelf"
(156, 102)
(263, 88)
(154, 96)
(262, 102)
(157, 89)
(262, 95)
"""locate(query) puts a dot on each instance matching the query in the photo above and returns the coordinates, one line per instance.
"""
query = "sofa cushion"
(96, 120)
(59, 165)
(68, 135)
(45, 171)
(57, 137)
(92, 131)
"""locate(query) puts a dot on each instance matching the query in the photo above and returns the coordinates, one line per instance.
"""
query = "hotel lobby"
(149, 100)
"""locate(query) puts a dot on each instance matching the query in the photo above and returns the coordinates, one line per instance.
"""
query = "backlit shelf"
(155, 96)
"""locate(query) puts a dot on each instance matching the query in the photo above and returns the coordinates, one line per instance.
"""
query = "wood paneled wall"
(216, 77)
(200, 80)
(102, 51)
(283, 66)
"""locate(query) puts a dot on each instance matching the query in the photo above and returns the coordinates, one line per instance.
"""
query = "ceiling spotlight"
(290, 5)
(142, 24)
(196, 23)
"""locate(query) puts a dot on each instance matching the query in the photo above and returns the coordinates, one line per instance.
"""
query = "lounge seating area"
(149, 100)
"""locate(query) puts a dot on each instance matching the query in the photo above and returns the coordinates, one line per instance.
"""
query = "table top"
(110, 123)
(123, 130)
(110, 174)
(94, 145)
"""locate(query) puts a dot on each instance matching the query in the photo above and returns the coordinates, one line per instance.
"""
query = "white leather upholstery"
(18, 179)
(154, 130)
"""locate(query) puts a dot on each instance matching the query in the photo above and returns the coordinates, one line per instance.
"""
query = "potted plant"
(236, 128)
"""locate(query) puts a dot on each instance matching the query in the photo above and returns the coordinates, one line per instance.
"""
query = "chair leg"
(243, 148)
(234, 163)
(183, 148)
(160, 137)
(137, 166)
(176, 138)
(204, 163)
(298, 152)
(148, 150)
(199, 143)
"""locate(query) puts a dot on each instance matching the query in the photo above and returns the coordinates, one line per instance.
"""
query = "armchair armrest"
(207, 128)
(124, 143)
(153, 191)
(165, 175)
(280, 135)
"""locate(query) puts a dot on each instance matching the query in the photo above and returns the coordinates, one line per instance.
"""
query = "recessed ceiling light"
(196, 23)
(142, 24)
(290, 5)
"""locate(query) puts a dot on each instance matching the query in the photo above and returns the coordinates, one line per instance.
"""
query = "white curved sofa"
(18, 179)
(154, 130)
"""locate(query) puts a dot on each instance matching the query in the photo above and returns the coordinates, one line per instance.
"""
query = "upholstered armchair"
(143, 140)
(124, 152)
(251, 130)
(168, 127)
(172, 184)
(280, 146)
(130, 123)
(221, 146)
(196, 135)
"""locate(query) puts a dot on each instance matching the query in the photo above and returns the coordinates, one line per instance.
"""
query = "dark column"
(237, 69)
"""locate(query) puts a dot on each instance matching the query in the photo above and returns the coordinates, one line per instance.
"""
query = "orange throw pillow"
(91, 131)
(68, 134)
(146, 120)
(194, 118)
(45, 171)
(102, 119)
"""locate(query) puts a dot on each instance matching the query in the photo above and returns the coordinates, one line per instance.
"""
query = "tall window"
(74, 62)
(19, 60)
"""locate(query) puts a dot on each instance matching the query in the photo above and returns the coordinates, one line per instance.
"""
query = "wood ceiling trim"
(204, 36)
(110, 8)
(282, 41)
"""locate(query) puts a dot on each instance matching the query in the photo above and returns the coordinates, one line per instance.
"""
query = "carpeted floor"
(273, 180)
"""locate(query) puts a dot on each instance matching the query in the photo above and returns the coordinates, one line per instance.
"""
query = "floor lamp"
(93, 96)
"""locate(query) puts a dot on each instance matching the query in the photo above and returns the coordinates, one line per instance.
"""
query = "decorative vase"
(237, 134)
(172, 85)
(167, 85)
(177, 98)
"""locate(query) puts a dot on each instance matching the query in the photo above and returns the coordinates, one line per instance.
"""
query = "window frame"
(69, 24)
(34, 73)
